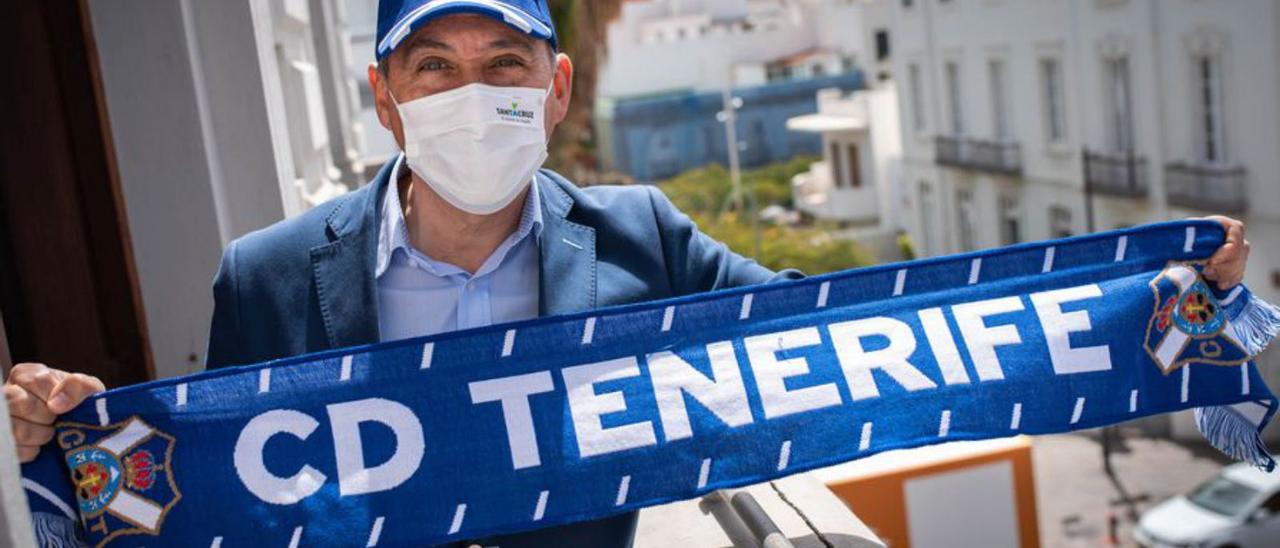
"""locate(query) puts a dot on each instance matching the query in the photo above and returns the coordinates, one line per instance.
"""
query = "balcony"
(998, 157)
(1211, 188)
(815, 193)
(1116, 174)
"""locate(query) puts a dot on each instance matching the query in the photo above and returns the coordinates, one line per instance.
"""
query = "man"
(460, 230)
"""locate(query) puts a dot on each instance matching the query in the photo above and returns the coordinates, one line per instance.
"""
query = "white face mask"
(477, 146)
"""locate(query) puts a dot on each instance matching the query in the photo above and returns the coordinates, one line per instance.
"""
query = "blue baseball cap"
(397, 19)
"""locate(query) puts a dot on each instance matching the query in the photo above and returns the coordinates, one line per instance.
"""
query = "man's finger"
(27, 453)
(27, 406)
(73, 389)
(36, 378)
(1229, 251)
(30, 433)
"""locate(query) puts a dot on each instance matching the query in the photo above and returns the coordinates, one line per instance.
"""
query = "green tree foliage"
(704, 194)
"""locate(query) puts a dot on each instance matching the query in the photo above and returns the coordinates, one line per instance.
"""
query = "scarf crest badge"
(1189, 324)
(122, 475)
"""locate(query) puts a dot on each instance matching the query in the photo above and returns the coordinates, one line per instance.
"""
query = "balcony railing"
(815, 193)
(1000, 157)
(1118, 174)
(1219, 189)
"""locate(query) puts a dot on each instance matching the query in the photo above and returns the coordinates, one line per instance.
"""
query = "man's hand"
(1226, 266)
(36, 396)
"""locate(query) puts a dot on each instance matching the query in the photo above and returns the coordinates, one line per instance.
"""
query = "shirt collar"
(393, 232)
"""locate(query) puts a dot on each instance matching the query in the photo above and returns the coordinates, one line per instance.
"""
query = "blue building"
(655, 137)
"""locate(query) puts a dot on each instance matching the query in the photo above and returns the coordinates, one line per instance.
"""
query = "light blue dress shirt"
(419, 296)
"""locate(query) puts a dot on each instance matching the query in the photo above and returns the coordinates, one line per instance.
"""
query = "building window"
(1209, 95)
(917, 97)
(855, 167)
(928, 215)
(966, 216)
(1120, 105)
(1060, 222)
(954, 101)
(882, 44)
(999, 100)
(837, 169)
(1054, 107)
(1010, 221)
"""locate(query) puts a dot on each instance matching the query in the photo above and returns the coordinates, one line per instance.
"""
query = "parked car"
(1239, 507)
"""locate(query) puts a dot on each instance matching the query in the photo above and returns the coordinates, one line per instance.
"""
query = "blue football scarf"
(563, 419)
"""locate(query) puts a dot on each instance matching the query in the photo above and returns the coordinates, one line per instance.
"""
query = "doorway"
(68, 291)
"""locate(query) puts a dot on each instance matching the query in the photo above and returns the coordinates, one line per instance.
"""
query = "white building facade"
(857, 181)
(703, 45)
(1013, 112)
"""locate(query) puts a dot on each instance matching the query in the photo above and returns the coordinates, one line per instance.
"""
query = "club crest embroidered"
(1189, 324)
(122, 475)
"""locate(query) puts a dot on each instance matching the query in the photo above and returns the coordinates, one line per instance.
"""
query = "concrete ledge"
(801, 506)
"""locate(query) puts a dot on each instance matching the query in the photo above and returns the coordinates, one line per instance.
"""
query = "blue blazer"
(307, 284)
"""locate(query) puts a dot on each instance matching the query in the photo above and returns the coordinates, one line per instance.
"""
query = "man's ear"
(380, 103)
(563, 92)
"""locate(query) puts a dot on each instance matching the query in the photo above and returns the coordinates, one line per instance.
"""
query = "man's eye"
(433, 64)
(507, 62)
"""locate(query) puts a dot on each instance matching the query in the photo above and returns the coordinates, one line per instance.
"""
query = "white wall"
(191, 127)
(637, 66)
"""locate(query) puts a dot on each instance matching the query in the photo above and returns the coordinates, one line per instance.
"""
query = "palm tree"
(583, 27)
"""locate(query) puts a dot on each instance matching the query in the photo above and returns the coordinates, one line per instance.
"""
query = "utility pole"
(729, 117)
(1089, 227)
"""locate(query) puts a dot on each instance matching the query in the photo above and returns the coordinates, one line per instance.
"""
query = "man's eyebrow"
(424, 43)
(508, 43)
(420, 42)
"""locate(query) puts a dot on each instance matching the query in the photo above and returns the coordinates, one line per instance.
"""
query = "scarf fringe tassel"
(54, 531)
(1233, 434)
(1257, 325)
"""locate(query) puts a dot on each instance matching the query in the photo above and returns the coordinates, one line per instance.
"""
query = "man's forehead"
(468, 30)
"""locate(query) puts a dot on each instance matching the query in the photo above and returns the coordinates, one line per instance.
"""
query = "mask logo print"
(515, 114)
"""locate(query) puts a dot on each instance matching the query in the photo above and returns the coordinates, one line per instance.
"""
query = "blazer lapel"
(568, 258)
(343, 269)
